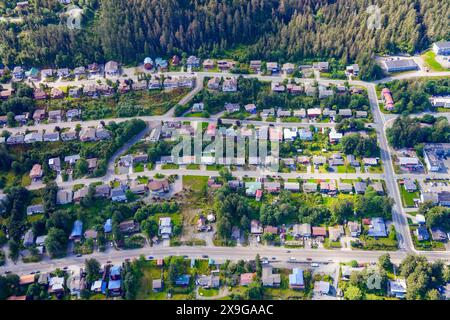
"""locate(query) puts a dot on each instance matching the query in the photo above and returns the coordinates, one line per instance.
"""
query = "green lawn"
(408, 197)
(208, 292)
(168, 166)
(196, 183)
(139, 167)
(193, 166)
(430, 61)
(214, 167)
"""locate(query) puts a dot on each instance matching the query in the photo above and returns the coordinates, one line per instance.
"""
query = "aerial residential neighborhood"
(202, 166)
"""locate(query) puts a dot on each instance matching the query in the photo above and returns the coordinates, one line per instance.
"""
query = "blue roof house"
(296, 280)
(114, 272)
(161, 63)
(183, 280)
(108, 226)
(377, 228)
(77, 230)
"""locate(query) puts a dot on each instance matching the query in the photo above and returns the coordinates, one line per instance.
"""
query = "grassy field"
(208, 292)
(168, 166)
(150, 272)
(193, 166)
(430, 61)
(408, 197)
(195, 183)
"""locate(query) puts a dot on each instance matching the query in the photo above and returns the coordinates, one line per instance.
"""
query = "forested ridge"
(129, 30)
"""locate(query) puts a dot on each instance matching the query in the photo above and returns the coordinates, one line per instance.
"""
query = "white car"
(292, 259)
(314, 265)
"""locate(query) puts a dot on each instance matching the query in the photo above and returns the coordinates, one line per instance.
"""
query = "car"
(79, 255)
(288, 251)
(292, 259)
(308, 259)
(7, 272)
(65, 268)
(205, 256)
(274, 258)
(314, 265)
(109, 261)
(185, 257)
(33, 272)
(127, 260)
(150, 258)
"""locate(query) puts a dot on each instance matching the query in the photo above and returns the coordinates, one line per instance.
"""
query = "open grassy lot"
(193, 166)
(169, 166)
(195, 183)
(408, 197)
(430, 60)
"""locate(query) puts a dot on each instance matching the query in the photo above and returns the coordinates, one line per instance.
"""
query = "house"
(214, 83)
(92, 164)
(112, 68)
(422, 233)
(275, 134)
(309, 187)
(74, 92)
(277, 87)
(399, 65)
(33, 137)
(251, 108)
(314, 112)
(139, 85)
(370, 161)
(36, 172)
(302, 230)
(319, 232)
(229, 85)
(63, 73)
(268, 278)
(165, 227)
(322, 66)
(28, 239)
(118, 195)
(71, 160)
(125, 227)
(296, 280)
(114, 283)
(208, 281)
(256, 227)
(305, 134)
(397, 288)
(51, 136)
(16, 139)
(232, 107)
(361, 114)
(409, 185)
(437, 234)
(183, 280)
(77, 230)
(158, 187)
(440, 102)
(345, 187)
(161, 64)
(79, 71)
(354, 227)
(388, 100)
(352, 69)
(39, 115)
(335, 136)
(292, 186)
(64, 197)
(360, 187)
(102, 191)
(289, 134)
(377, 228)
(5, 94)
(294, 88)
(442, 48)
(193, 62)
(251, 187)
(208, 64)
(283, 113)
(272, 67)
(34, 209)
(68, 135)
(246, 278)
(56, 285)
(80, 194)
(321, 288)
(345, 113)
(55, 115)
(410, 163)
(271, 230)
(107, 228)
(90, 234)
(255, 65)
(87, 134)
(336, 232)
(198, 107)
(157, 285)
(288, 68)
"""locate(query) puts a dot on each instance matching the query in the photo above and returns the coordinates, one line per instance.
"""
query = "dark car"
(205, 256)
(150, 258)
(79, 255)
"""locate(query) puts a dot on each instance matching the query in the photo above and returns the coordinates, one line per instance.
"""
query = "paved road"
(218, 253)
